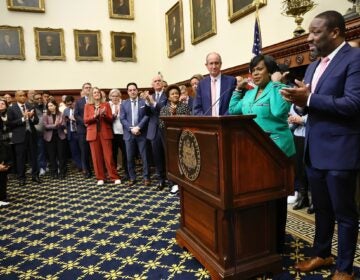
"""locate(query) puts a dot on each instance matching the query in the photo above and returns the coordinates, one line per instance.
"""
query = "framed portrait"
(203, 20)
(174, 29)
(49, 43)
(123, 46)
(240, 8)
(88, 45)
(12, 42)
(37, 6)
(122, 9)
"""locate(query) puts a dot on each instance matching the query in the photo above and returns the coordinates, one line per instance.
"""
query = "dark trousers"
(21, 149)
(118, 142)
(56, 151)
(159, 155)
(132, 145)
(41, 152)
(3, 185)
(300, 171)
(333, 194)
(85, 152)
(75, 149)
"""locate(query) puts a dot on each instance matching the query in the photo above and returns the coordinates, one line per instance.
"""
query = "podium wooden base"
(231, 175)
(245, 238)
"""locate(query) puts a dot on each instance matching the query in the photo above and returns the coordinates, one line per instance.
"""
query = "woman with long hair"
(55, 137)
(99, 119)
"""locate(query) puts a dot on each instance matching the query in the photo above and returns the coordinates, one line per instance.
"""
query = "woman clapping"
(98, 119)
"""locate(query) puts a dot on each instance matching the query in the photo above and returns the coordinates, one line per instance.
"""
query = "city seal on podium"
(189, 155)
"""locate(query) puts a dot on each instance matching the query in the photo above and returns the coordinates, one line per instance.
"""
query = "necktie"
(157, 97)
(321, 69)
(72, 123)
(213, 98)
(134, 113)
(26, 120)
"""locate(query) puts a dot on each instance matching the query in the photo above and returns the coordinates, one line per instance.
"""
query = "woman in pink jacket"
(54, 136)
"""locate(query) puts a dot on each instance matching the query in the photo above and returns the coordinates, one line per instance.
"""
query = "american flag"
(256, 50)
(257, 37)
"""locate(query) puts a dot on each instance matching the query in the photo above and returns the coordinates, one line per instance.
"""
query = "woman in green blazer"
(271, 112)
(266, 102)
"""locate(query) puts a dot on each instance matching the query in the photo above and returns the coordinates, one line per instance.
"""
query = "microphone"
(217, 100)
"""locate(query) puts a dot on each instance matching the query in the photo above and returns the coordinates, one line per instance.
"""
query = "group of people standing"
(327, 102)
(329, 97)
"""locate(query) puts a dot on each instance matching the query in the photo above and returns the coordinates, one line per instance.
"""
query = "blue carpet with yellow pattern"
(73, 229)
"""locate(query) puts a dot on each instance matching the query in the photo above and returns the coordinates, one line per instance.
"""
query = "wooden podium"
(230, 173)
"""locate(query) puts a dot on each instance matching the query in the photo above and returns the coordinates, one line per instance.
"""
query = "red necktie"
(322, 66)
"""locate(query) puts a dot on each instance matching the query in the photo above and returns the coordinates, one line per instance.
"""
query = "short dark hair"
(167, 91)
(269, 62)
(131, 84)
(334, 20)
(69, 98)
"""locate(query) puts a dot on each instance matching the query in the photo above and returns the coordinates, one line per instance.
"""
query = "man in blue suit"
(330, 94)
(135, 121)
(154, 103)
(216, 103)
(81, 130)
(71, 129)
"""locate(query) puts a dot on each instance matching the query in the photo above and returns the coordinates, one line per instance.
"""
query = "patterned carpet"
(73, 229)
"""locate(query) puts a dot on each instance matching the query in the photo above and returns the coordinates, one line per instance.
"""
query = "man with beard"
(330, 93)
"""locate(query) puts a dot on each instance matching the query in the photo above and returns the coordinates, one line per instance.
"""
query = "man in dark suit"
(9, 45)
(121, 7)
(71, 129)
(154, 103)
(49, 46)
(330, 93)
(214, 92)
(22, 119)
(124, 50)
(174, 34)
(88, 47)
(81, 129)
(134, 120)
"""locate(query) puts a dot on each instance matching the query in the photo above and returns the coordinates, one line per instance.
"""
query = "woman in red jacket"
(98, 119)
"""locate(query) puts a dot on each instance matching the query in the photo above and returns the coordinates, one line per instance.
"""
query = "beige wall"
(233, 41)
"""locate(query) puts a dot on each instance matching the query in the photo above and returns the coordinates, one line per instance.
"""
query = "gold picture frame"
(203, 20)
(12, 42)
(240, 8)
(123, 46)
(174, 29)
(121, 9)
(49, 43)
(88, 45)
(34, 6)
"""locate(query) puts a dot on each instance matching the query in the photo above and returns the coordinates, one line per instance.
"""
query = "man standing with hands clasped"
(330, 93)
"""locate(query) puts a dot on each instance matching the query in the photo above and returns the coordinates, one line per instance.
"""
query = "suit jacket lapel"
(332, 66)
(264, 93)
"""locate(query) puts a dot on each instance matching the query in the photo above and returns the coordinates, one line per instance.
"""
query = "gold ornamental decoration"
(296, 9)
(189, 155)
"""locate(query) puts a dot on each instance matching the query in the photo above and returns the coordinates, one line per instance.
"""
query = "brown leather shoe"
(314, 263)
(343, 276)
(131, 183)
(147, 182)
